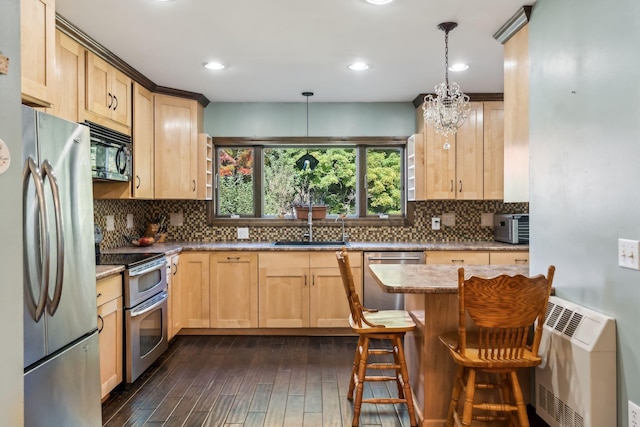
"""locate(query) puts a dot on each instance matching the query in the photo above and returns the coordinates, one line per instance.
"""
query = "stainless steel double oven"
(145, 309)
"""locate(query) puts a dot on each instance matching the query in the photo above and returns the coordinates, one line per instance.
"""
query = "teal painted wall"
(11, 357)
(585, 157)
(242, 119)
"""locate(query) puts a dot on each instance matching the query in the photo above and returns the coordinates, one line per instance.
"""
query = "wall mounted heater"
(576, 382)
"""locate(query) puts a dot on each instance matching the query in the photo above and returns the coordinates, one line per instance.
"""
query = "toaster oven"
(511, 228)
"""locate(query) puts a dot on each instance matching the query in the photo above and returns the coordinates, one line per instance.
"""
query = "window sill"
(329, 222)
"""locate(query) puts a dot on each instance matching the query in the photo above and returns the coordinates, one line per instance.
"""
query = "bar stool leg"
(519, 400)
(455, 395)
(362, 372)
(470, 391)
(354, 368)
(405, 381)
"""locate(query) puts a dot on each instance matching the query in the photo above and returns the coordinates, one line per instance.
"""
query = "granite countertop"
(171, 248)
(434, 279)
(103, 271)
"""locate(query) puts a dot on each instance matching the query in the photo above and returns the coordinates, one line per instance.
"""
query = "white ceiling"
(276, 49)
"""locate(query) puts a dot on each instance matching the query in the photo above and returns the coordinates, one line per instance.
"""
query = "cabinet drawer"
(328, 259)
(510, 258)
(237, 257)
(456, 257)
(108, 288)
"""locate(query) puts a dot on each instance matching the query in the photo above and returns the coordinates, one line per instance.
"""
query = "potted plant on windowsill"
(303, 193)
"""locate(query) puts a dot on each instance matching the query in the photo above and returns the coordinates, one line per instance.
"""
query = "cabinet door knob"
(110, 100)
(101, 323)
(115, 98)
(460, 187)
(451, 186)
(138, 179)
(194, 185)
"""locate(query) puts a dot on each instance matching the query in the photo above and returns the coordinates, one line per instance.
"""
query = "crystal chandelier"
(450, 107)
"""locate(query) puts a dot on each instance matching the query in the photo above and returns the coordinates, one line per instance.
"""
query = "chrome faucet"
(310, 218)
(345, 236)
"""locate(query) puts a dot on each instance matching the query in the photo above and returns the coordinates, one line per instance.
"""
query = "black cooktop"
(129, 260)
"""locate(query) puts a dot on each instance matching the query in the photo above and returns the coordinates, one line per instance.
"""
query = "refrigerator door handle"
(37, 307)
(52, 304)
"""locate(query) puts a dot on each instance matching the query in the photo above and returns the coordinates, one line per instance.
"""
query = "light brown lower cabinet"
(304, 289)
(194, 277)
(509, 258)
(110, 327)
(174, 286)
(234, 290)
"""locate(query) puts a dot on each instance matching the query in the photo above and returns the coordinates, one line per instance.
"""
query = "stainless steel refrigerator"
(61, 360)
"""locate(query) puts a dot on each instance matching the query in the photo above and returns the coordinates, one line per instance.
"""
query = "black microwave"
(111, 156)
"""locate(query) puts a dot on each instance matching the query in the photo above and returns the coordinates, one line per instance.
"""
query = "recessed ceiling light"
(359, 66)
(379, 2)
(214, 66)
(458, 67)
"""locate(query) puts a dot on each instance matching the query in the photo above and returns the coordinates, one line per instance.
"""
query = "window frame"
(361, 144)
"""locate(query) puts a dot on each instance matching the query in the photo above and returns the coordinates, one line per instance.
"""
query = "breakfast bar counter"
(431, 299)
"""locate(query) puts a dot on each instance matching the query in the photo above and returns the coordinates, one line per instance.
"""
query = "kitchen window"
(260, 180)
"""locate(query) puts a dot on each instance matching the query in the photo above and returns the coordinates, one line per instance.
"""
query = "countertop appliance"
(110, 154)
(511, 228)
(61, 361)
(373, 295)
(145, 308)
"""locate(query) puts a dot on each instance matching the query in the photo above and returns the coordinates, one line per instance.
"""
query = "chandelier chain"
(446, 57)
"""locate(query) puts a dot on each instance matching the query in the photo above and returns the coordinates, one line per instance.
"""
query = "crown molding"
(514, 24)
(93, 46)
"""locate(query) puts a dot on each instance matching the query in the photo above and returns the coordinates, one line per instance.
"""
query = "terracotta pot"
(317, 212)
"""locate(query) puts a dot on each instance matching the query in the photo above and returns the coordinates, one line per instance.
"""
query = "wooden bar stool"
(504, 309)
(389, 325)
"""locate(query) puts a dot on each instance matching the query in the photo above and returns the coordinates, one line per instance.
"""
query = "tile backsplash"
(467, 219)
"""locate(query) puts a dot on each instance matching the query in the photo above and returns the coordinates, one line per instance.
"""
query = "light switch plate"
(449, 219)
(176, 219)
(629, 254)
(243, 233)
(111, 222)
(486, 220)
(129, 221)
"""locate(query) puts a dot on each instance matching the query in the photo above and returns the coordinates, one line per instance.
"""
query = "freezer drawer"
(65, 390)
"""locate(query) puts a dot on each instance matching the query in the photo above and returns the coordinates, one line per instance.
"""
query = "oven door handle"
(148, 270)
(149, 305)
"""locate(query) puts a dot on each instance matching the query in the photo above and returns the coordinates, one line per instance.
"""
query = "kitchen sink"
(307, 243)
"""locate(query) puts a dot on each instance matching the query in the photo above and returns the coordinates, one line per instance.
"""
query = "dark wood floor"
(249, 381)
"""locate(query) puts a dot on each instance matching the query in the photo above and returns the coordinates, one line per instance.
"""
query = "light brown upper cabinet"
(494, 150)
(108, 95)
(516, 117)
(177, 124)
(37, 31)
(143, 143)
(472, 169)
(67, 94)
(456, 173)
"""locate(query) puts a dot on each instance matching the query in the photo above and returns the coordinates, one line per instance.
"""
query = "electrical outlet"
(243, 233)
(129, 221)
(634, 415)
(435, 223)
(629, 254)
(176, 219)
(111, 222)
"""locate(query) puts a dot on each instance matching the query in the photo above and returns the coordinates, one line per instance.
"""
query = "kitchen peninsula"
(432, 300)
